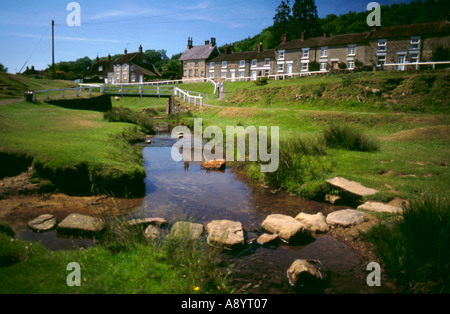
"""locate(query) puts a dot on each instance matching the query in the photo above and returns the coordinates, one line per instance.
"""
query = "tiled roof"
(422, 29)
(246, 55)
(198, 53)
(335, 40)
(126, 58)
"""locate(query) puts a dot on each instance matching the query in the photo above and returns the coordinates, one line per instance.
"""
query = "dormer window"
(254, 63)
(351, 50)
(324, 51)
(415, 43)
(211, 65)
(242, 63)
(305, 53)
(224, 64)
(281, 54)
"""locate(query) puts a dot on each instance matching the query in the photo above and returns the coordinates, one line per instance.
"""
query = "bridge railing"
(186, 96)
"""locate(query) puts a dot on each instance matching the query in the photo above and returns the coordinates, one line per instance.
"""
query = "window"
(382, 45)
(224, 64)
(381, 60)
(266, 72)
(223, 74)
(211, 74)
(281, 67)
(281, 54)
(267, 62)
(323, 66)
(203, 74)
(304, 66)
(415, 43)
(118, 67)
(324, 51)
(125, 67)
(125, 77)
(351, 50)
(414, 58)
(100, 68)
(184, 73)
(305, 53)
(133, 78)
(242, 63)
(190, 73)
(254, 63)
(131, 67)
(350, 64)
(196, 73)
(211, 65)
(241, 74)
(118, 77)
(196, 64)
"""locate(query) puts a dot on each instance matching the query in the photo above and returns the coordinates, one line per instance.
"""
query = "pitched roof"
(126, 58)
(422, 29)
(198, 53)
(335, 40)
(246, 55)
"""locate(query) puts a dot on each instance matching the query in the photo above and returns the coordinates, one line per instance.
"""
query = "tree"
(281, 21)
(305, 18)
(3, 68)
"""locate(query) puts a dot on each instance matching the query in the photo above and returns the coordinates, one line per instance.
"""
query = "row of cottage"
(381, 45)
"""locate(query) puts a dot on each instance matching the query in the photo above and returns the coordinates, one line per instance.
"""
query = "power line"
(34, 50)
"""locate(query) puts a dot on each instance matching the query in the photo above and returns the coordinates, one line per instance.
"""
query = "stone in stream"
(380, 208)
(187, 229)
(346, 217)
(267, 238)
(354, 188)
(225, 233)
(152, 232)
(218, 164)
(145, 222)
(43, 223)
(287, 228)
(303, 272)
(315, 223)
(81, 224)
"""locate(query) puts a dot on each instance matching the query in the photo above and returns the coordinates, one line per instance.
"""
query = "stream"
(186, 191)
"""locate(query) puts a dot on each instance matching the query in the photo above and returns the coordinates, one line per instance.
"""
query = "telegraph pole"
(53, 49)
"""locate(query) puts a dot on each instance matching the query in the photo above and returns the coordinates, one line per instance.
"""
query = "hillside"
(13, 86)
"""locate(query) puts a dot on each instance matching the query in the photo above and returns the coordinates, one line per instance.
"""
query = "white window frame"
(305, 53)
(281, 54)
(131, 67)
(382, 45)
(223, 74)
(211, 65)
(100, 68)
(351, 50)
(350, 64)
(417, 56)
(305, 66)
(267, 62)
(125, 65)
(211, 74)
(254, 63)
(241, 73)
(280, 67)
(224, 64)
(125, 77)
(323, 52)
(133, 78)
(323, 65)
(383, 60)
(415, 41)
(266, 72)
(242, 63)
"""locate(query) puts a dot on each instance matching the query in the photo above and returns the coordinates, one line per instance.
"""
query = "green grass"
(173, 265)
(64, 143)
(415, 249)
(349, 138)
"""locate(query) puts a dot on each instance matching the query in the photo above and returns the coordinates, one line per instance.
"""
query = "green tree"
(281, 21)
(305, 18)
(3, 68)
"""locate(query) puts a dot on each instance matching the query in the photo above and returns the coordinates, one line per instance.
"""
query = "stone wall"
(174, 106)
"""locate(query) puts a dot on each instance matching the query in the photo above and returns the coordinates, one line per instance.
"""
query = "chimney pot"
(140, 49)
(283, 38)
(324, 34)
(126, 51)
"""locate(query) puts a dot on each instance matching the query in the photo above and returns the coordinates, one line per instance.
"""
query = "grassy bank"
(125, 263)
(77, 150)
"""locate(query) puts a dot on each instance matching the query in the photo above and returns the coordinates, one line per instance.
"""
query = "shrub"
(415, 250)
(121, 114)
(261, 81)
(349, 137)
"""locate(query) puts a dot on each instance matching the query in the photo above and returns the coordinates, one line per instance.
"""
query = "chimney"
(213, 42)
(97, 59)
(109, 58)
(303, 35)
(126, 51)
(260, 47)
(140, 49)
(190, 43)
(283, 38)
(206, 42)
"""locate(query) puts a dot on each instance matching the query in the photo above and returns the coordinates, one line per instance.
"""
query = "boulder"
(187, 229)
(380, 208)
(218, 164)
(43, 223)
(352, 187)
(315, 223)
(152, 233)
(225, 233)
(303, 272)
(267, 238)
(287, 228)
(81, 224)
(346, 217)
(145, 222)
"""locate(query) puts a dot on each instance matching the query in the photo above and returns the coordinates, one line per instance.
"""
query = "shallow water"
(181, 190)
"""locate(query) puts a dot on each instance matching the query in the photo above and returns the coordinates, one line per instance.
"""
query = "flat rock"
(380, 208)
(158, 222)
(267, 238)
(43, 223)
(346, 217)
(225, 233)
(302, 272)
(315, 223)
(215, 164)
(288, 228)
(352, 187)
(81, 223)
(187, 229)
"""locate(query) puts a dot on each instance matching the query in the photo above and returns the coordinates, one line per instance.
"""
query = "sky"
(108, 27)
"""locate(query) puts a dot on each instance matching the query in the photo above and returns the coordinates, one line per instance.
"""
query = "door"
(233, 76)
(401, 60)
(289, 68)
(141, 78)
(254, 75)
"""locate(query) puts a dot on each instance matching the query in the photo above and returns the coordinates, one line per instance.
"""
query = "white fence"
(414, 65)
(186, 96)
